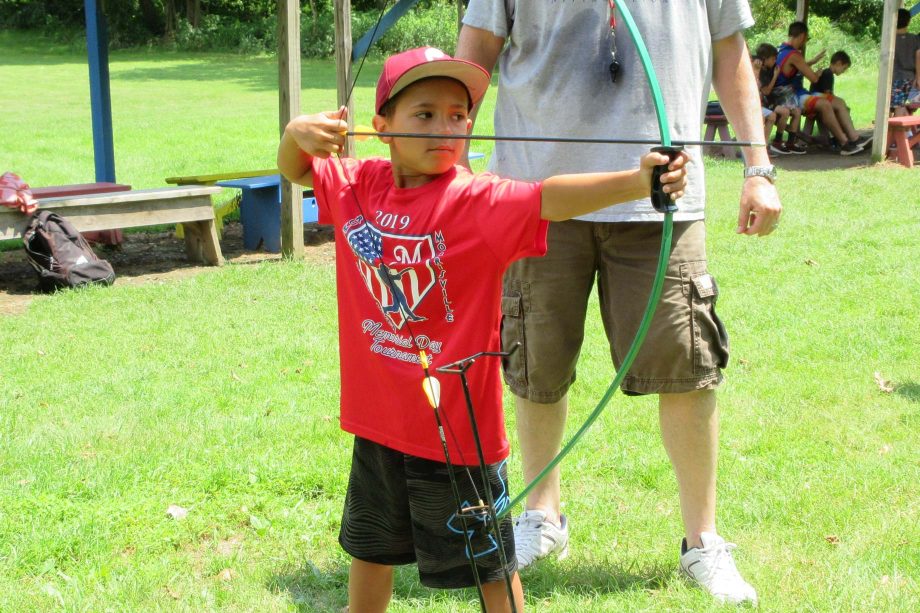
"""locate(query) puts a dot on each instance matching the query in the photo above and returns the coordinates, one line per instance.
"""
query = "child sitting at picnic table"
(421, 245)
(840, 63)
(785, 117)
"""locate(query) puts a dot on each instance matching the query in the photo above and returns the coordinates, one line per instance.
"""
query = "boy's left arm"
(734, 83)
(572, 195)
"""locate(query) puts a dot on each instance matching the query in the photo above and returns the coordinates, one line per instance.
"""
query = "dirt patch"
(146, 257)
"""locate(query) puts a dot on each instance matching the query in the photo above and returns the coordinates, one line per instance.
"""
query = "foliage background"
(249, 26)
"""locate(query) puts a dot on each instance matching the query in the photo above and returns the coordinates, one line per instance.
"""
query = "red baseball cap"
(404, 69)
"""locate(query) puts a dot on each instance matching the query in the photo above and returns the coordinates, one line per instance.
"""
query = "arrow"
(362, 133)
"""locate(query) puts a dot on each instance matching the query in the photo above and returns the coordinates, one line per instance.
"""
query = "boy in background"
(787, 115)
(840, 63)
(421, 246)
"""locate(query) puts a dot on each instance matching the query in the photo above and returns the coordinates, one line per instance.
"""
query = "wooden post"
(801, 14)
(343, 65)
(289, 107)
(883, 93)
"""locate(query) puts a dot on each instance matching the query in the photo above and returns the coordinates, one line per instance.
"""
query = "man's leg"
(685, 349)
(690, 432)
(540, 428)
(541, 530)
(544, 305)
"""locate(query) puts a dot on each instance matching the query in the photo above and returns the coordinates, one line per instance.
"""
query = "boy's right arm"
(306, 137)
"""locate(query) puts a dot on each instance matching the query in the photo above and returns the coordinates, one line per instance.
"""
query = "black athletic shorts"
(401, 509)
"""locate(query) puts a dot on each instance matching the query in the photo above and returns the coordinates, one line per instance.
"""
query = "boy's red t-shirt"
(446, 245)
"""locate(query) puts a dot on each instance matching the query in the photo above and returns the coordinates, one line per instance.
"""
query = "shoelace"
(723, 566)
(528, 527)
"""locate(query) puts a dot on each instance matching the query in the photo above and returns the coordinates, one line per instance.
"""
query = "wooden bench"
(718, 124)
(106, 237)
(78, 189)
(167, 205)
(898, 141)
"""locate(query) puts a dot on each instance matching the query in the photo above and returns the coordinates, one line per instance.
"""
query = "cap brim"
(473, 76)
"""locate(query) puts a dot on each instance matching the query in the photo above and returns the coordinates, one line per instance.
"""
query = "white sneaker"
(535, 537)
(713, 567)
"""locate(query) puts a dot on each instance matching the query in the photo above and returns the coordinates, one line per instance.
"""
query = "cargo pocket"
(710, 339)
(514, 366)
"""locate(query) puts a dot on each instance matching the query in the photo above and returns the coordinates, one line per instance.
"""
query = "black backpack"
(61, 256)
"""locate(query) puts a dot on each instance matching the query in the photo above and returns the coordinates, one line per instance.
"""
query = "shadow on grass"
(909, 390)
(314, 589)
(311, 589)
(551, 578)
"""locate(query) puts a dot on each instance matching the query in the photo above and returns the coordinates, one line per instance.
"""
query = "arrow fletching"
(432, 389)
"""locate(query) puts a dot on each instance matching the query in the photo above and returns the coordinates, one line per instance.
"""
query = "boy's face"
(431, 106)
(770, 62)
(838, 68)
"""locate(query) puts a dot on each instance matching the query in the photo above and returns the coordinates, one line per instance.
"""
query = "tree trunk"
(152, 17)
(172, 19)
(193, 12)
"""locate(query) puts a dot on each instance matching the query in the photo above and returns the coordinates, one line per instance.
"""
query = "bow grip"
(661, 200)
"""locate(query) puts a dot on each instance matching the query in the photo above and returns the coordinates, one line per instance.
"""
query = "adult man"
(832, 111)
(556, 81)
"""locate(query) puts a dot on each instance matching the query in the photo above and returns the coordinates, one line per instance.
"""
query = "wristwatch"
(767, 172)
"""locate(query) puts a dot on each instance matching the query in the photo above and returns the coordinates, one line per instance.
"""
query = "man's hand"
(319, 135)
(760, 207)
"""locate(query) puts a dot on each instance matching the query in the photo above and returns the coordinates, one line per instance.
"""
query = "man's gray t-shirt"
(555, 81)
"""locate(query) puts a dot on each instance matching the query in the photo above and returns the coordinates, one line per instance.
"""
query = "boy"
(840, 62)
(787, 114)
(425, 244)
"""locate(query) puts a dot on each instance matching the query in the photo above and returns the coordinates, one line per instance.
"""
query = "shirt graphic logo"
(400, 286)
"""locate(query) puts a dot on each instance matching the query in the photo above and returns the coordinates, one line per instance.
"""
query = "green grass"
(218, 393)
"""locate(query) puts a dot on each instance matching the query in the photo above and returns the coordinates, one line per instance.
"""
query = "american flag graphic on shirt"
(400, 280)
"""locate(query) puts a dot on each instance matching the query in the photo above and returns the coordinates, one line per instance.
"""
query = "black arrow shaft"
(554, 139)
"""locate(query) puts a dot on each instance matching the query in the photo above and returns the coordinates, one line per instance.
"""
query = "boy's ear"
(380, 125)
(469, 125)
